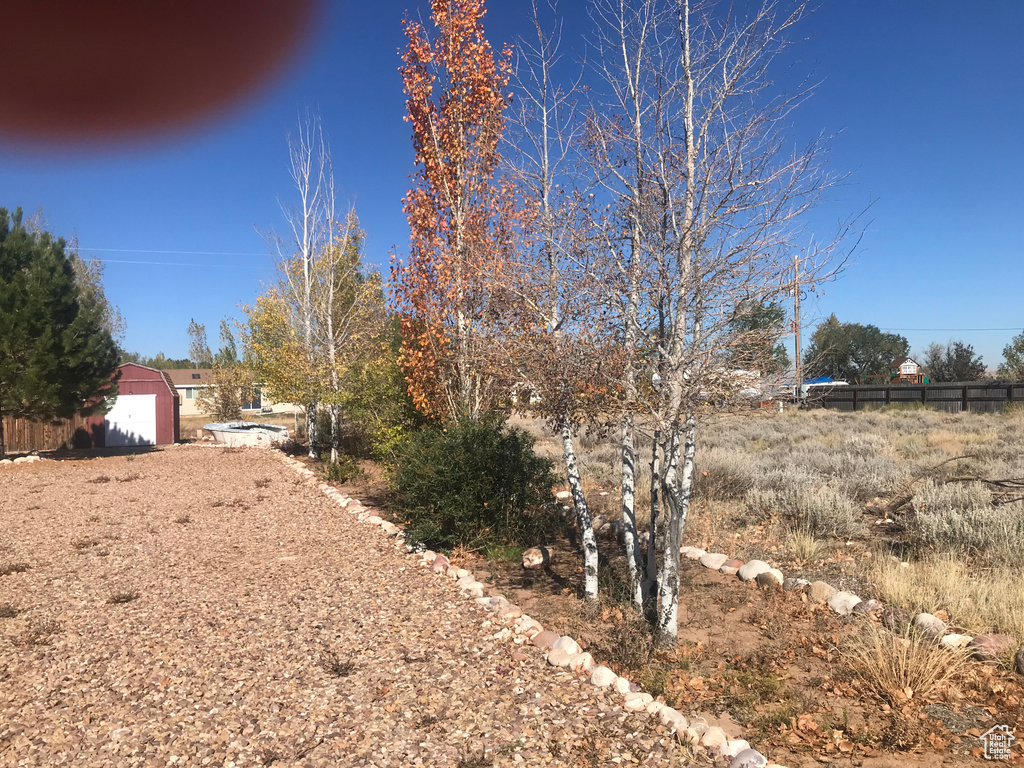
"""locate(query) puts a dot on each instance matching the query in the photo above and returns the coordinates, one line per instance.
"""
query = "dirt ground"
(767, 664)
(203, 607)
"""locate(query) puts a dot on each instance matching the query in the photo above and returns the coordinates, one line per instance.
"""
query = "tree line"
(862, 353)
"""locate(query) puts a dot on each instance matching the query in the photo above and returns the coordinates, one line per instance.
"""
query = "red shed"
(145, 411)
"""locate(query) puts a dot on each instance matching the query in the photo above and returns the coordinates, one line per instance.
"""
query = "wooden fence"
(954, 397)
(22, 435)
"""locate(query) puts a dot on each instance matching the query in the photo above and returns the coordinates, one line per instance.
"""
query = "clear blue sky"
(926, 96)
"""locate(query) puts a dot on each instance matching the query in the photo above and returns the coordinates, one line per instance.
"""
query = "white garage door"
(132, 421)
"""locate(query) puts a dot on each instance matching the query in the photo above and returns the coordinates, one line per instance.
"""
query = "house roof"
(900, 361)
(190, 377)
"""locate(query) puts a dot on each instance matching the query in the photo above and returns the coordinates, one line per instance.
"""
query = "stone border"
(560, 651)
(985, 647)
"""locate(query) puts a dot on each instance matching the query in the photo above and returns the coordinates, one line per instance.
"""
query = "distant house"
(188, 381)
(905, 370)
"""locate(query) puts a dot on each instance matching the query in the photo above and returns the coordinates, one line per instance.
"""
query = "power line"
(952, 330)
(185, 253)
(169, 264)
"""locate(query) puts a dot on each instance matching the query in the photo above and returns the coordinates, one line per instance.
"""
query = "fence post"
(965, 407)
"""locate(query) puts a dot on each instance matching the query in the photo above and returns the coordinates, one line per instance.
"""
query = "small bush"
(341, 471)
(805, 548)
(899, 668)
(8, 611)
(183, 519)
(474, 483)
(38, 632)
(7, 569)
(81, 440)
(335, 666)
(723, 475)
(504, 553)
(818, 511)
(122, 597)
(960, 518)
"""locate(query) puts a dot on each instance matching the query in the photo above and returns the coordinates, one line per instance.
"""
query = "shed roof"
(126, 371)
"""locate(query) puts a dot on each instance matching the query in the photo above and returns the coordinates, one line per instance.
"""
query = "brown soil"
(767, 664)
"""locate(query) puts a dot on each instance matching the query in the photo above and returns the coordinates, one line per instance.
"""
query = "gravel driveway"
(194, 606)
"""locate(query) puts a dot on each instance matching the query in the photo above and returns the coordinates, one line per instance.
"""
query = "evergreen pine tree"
(56, 355)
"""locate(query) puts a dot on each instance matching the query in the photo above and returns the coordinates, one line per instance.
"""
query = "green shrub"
(473, 483)
(341, 471)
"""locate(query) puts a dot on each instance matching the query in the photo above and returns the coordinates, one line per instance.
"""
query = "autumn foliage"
(459, 242)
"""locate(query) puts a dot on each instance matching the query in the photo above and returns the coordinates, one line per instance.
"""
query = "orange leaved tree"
(446, 289)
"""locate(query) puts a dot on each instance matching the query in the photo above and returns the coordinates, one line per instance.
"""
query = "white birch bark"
(583, 520)
(677, 488)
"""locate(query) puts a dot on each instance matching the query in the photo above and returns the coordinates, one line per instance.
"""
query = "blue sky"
(925, 96)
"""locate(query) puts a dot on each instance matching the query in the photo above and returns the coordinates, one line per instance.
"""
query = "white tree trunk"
(650, 593)
(585, 524)
(632, 545)
(334, 433)
(311, 428)
(676, 488)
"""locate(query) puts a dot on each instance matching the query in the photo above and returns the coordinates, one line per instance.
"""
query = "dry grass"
(805, 547)
(902, 668)
(123, 596)
(987, 601)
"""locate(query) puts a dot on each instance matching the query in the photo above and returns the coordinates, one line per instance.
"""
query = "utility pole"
(796, 318)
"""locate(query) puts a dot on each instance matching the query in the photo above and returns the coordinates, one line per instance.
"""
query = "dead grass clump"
(8, 611)
(183, 519)
(898, 668)
(81, 544)
(981, 601)
(336, 666)
(805, 547)
(123, 596)
(38, 632)
(263, 482)
(100, 479)
(7, 569)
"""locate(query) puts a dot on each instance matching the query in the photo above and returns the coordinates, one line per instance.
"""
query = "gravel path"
(206, 607)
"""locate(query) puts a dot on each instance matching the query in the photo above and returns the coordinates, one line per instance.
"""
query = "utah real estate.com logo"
(998, 741)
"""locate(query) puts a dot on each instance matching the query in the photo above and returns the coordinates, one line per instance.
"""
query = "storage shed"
(145, 411)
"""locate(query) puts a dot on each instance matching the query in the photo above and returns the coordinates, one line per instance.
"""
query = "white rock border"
(561, 651)
(843, 603)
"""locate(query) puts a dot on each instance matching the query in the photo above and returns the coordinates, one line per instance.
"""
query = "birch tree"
(711, 195)
(558, 349)
(347, 324)
(311, 224)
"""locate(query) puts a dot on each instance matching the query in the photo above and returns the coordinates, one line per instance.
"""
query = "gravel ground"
(195, 606)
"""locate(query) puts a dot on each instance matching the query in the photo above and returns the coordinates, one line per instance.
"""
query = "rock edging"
(985, 648)
(560, 651)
